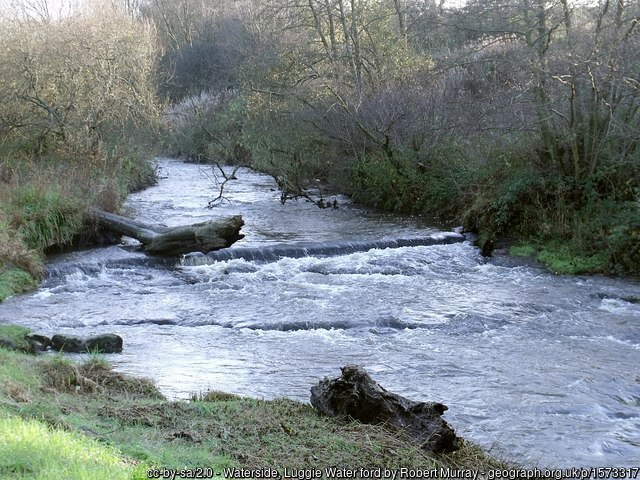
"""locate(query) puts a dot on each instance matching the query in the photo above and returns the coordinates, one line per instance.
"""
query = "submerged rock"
(106, 343)
(357, 395)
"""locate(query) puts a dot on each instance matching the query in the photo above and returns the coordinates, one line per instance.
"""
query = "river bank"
(49, 403)
(512, 347)
(46, 208)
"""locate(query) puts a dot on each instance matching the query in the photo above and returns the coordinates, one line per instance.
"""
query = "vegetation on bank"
(60, 419)
(517, 118)
(77, 115)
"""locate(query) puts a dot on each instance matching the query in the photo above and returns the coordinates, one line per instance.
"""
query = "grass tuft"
(14, 281)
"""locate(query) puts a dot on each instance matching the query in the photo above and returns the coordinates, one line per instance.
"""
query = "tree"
(581, 67)
(75, 83)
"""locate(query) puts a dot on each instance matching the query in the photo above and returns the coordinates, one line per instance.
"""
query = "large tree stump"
(162, 240)
(357, 395)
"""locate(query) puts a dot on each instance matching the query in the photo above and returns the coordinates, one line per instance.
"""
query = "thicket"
(77, 111)
(519, 119)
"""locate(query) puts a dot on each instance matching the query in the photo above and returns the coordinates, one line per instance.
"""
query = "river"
(540, 369)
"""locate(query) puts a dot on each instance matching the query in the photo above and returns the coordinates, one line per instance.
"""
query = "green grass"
(30, 449)
(14, 281)
(95, 423)
(15, 334)
(523, 250)
(45, 215)
(562, 258)
(45, 207)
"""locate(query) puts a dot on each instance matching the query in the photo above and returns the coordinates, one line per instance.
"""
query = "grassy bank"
(78, 114)
(45, 206)
(59, 419)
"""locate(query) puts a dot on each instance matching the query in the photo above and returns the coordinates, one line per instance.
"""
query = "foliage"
(284, 144)
(76, 85)
(515, 118)
(603, 238)
(208, 128)
(77, 111)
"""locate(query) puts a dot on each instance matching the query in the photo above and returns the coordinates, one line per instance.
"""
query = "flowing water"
(542, 368)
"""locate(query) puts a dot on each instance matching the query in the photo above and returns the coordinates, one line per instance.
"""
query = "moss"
(561, 259)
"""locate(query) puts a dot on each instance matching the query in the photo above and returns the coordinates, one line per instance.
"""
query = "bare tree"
(75, 82)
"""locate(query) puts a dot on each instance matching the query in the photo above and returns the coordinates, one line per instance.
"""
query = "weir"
(272, 253)
(263, 254)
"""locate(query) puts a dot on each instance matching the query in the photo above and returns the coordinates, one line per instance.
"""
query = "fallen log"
(355, 394)
(162, 240)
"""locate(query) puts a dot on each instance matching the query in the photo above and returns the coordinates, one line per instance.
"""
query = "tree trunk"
(161, 240)
(355, 394)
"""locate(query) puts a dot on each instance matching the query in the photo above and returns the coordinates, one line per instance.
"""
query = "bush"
(77, 85)
(429, 185)
(208, 127)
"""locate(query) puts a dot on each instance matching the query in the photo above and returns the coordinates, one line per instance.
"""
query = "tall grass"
(44, 204)
(44, 215)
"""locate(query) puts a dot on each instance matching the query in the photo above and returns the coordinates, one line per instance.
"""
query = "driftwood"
(355, 394)
(161, 240)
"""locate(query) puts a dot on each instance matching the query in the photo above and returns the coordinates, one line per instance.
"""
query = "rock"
(106, 343)
(486, 245)
(43, 339)
(68, 343)
(357, 395)
(37, 343)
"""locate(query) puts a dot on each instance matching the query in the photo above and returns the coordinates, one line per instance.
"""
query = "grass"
(14, 281)
(86, 421)
(15, 334)
(45, 215)
(44, 206)
(560, 258)
(31, 449)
